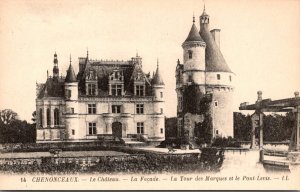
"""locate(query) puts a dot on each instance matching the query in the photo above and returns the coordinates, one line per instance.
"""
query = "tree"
(33, 119)
(242, 126)
(171, 127)
(13, 130)
(7, 116)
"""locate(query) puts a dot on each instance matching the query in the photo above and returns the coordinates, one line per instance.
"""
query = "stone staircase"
(133, 142)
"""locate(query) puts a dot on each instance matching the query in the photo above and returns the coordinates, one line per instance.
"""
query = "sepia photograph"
(150, 94)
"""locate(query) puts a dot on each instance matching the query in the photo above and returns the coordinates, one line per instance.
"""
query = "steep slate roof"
(71, 77)
(54, 87)
(193, 35)
(214, 59)
(104, 68)
(157, 79)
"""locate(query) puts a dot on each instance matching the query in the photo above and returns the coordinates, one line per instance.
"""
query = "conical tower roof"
(194, 34)
(71, 77)
(157, 79)
(214, 60)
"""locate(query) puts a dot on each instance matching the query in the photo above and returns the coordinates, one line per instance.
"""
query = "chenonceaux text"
(55, 179)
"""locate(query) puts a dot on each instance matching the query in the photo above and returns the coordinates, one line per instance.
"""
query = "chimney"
(216, 35)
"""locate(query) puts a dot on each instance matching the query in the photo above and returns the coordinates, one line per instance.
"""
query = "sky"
(260, 40)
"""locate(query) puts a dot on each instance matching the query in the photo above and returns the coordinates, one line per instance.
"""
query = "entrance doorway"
(117, 129)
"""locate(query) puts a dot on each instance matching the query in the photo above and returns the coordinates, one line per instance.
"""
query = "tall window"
(140, 90)
(217, 132)
(92, 129)
(180, 103)
(116, 90)
(41, 117)
(91, 89)
(68, 94)
(161, 94)
(140, 108)
(161, 110)
(218, 76)
(56, 117)
(161, 130)
(190, 54)
(179, 126)
(216, 103)
(48, 117)
(116, 108)
(91, 108)
(140, 127)
(190, 78)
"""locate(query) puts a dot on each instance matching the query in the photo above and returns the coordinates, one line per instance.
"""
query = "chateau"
(204, 86)
(106, 99)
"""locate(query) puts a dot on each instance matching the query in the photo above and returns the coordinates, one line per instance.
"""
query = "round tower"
(194, 58)
(219, 80)
(71, 111)
(158, 88)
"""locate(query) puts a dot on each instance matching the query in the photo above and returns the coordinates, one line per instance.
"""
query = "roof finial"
(204, 5)
(137, 54)
(157, 64)
(193, 17)
(87, 52)
(70, 59)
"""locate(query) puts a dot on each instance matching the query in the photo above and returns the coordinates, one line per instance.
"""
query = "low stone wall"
(67, 146)
(138, 162)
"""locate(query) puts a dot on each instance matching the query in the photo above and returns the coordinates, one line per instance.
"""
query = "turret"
(158, 87)
(194, 58)
(71, 98)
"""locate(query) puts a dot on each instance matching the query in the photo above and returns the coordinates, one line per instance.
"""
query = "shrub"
(226, 142)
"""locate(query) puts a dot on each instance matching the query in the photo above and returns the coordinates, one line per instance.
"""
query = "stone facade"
(105, 98)
(204, 85)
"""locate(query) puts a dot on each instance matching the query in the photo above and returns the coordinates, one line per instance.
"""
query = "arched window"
(56, 117)
(41, 117)
(48, 117)
(190, 54)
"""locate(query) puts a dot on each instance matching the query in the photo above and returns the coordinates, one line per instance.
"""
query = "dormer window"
(91, 89)
(190, 54)
(116, 87)
(140, 90)
(116, 90)
(116, 76)
(91, 75)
